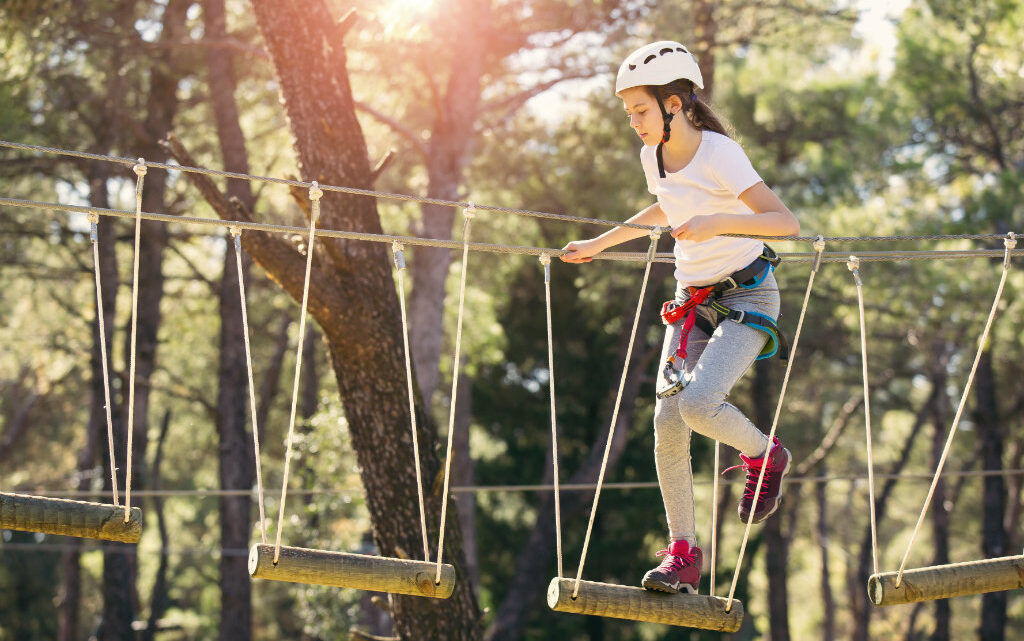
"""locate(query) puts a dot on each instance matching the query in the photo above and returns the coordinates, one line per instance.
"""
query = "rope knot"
(656, 233)
(1010, 242)
(92, 217)
(545, 259)
(140, 168)
(315, 193)
(235, 230)
(470, 211)
(819, 244)
(853, 264)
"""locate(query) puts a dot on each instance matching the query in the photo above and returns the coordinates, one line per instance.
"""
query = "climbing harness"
(673, 311)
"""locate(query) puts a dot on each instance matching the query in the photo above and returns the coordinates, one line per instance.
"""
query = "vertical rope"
(399, 254)
(469, 213)
(236, 232)
(854, 265)
(94, 220)
(714, 517)
(315, 194)
(655, 234)
(819, 247)
(545, 259)
(1009, 243)
(140, 172)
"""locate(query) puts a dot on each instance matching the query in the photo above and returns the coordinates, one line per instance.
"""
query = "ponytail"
(698, 112)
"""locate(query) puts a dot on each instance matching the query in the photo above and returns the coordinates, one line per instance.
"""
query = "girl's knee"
(697, 406)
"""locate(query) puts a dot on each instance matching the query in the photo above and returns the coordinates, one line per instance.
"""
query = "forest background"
(869, 119)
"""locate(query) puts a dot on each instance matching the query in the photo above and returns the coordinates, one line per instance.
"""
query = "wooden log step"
(345, 570)
(637, 604)
(946, 581)
(69, 518)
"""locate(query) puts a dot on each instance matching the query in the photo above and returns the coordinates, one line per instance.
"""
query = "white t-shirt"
(710, 184)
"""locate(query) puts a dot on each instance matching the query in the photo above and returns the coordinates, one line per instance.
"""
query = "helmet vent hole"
(649, 58)
(632, 67)
(664, 51)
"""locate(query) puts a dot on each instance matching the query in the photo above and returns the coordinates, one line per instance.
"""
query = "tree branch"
(400, 129)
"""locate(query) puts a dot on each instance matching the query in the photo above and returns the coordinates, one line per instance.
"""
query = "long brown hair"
(697, 111)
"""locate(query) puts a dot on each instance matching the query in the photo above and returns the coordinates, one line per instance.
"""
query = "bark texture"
(353, 299)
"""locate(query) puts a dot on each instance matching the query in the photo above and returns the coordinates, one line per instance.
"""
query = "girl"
(726, 301)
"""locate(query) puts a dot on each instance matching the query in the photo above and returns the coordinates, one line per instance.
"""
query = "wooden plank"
(69, 518)
(637, 604)
(946, 581)
(345, 570)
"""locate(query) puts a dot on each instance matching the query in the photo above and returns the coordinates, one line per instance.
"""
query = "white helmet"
(658, 63)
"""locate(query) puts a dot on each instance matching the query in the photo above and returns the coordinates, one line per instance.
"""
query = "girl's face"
(644, 114)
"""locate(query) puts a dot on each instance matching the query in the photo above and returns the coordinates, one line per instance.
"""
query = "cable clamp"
(140, 168)
(399, 251)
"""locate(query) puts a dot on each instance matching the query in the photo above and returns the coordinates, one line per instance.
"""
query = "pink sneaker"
(778, 460)
(679, 571)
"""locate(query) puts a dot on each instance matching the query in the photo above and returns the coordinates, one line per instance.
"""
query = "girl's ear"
(673, 104)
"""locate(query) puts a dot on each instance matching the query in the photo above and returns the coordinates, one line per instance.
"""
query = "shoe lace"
(677, 561)
(752, 473)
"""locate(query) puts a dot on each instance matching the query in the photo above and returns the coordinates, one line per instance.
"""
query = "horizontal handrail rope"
(541, 487)
(458, 204)
(636, 257)
(1009, 242)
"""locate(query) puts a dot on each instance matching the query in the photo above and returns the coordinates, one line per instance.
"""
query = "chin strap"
(667, 117)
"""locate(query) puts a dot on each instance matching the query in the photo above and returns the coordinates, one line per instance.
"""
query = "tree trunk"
(70, 592)
(828, 599)
(940, 518)
(776, 551)
(353, 299)
(993, 536)
(448, 154)
(235, 451)
(464, 474)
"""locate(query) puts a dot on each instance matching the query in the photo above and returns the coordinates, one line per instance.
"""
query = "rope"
(714, 517)
(819, 247)
(140, 172)
(94, 239)
(469, 213)
(546, 261)
(458, 204)
(1009, 242)
(315, 194)
(635, 257)
(854, 266)
(399, 254)
(237, 234)
(540, 487)
(655, 234)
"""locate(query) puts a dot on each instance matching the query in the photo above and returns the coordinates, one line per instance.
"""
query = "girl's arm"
(582, 251)
(772, 218)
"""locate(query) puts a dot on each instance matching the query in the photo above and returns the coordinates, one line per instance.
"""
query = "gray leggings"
(713, 365)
